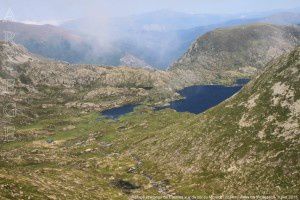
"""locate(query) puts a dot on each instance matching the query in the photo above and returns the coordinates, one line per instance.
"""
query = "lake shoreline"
(195, 99)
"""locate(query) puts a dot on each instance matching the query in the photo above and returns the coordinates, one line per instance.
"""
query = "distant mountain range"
(160, 38)
(283, 18)
(47, 40)
(157, 38)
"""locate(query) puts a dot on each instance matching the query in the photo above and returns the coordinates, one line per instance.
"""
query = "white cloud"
(50, 22)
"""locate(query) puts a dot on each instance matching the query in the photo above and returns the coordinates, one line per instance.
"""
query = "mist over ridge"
(155, 33)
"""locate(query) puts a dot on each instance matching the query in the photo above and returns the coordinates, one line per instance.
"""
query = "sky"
(60, 10)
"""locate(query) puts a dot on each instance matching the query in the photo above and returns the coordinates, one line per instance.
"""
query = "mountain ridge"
(46, 40)
(239, 51)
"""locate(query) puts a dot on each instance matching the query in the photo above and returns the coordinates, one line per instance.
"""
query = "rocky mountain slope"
(240, 51)
(85, 87)
(248, 145)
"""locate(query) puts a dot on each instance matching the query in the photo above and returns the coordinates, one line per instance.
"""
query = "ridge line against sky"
(62, 10)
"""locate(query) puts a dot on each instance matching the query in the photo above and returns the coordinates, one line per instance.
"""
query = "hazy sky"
(43, 10)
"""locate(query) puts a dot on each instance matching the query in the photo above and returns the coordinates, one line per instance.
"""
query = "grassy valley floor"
(84, 156)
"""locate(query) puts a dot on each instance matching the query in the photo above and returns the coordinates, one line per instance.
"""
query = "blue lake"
(197, 99)
(115, 113)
